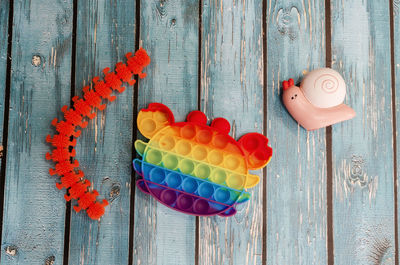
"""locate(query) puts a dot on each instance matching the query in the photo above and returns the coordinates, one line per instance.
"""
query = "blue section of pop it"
(199, 187)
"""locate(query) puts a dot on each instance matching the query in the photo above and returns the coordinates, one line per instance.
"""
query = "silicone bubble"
(184, 201)
(168, 196)
(218, 176)
(188, 131)
(154, 157)
(173, 180)
(235, 181)
(167, 142)
(205, 190)
(148, 126)
(204, 136)
(170, 162)
(201, 206)
(202, 171)
(222, 195)
(160, 117)
(157, 175)
(251, 144)
(220, 141)
(189, 185)
(231, 162)
(186, 166)
(183, 147)
(199, 153)
(215, 157)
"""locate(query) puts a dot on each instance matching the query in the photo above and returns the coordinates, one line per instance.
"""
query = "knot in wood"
(288, 22)
(36, 60)
(50, 260)
(11, 250)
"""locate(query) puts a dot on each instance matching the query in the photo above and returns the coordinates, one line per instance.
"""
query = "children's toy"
(319, 100)
(195, 168)
(62, 155)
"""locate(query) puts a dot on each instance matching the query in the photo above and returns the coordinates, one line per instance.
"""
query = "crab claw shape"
(153, 119)
(256, 150)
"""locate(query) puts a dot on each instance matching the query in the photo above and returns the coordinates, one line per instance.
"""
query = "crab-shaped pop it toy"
(195, 168)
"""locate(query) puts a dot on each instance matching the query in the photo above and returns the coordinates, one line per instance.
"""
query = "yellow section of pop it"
(150, 122)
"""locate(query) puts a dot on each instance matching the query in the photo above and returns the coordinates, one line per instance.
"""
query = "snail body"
(318, 102)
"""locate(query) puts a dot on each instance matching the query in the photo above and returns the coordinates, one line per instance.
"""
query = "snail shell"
(324, 88)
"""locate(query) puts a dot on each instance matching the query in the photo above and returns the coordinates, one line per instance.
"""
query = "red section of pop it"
(197, 116)
(256, 149)
(221, 125)
(162, 108)
(72, 179)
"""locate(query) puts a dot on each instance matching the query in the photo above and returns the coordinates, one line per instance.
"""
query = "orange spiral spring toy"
(63, 142)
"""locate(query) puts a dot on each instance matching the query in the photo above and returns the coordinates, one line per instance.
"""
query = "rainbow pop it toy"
(195, 168)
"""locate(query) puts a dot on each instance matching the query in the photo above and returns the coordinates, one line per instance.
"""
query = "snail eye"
(292, 97)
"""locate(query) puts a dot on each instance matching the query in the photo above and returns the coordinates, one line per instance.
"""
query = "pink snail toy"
(318, 102)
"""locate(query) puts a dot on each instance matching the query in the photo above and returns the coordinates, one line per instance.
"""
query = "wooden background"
(327, 197)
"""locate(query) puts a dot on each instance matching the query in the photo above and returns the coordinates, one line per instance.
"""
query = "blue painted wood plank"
(4, 12)
(232, 87)
(396, 16)
(363, 199)
(296, 176)
(105, 32)
(34, 210)
(169, 32)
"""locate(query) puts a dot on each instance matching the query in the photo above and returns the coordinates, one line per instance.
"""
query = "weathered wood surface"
(169, 32)
(296, 177)
(232, 87)
(362, 149)
(33, 223)
(396, 74)
(105, 32)
(4, 12)
(227, 58)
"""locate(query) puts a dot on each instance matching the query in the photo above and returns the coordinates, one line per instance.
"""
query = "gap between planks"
(6, 114)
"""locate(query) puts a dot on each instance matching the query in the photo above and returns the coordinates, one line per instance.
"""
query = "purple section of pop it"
(163, 184)
(142, 186)
(187, 203)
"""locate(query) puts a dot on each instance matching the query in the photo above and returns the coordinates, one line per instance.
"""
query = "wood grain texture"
(105, 32)
(396, 28)
(296, 176)
(4, 12)
(363, 200)
(232, 87)
(33, 224)
(169, 32)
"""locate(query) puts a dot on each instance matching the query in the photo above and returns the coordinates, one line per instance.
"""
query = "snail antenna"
(285, 85)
